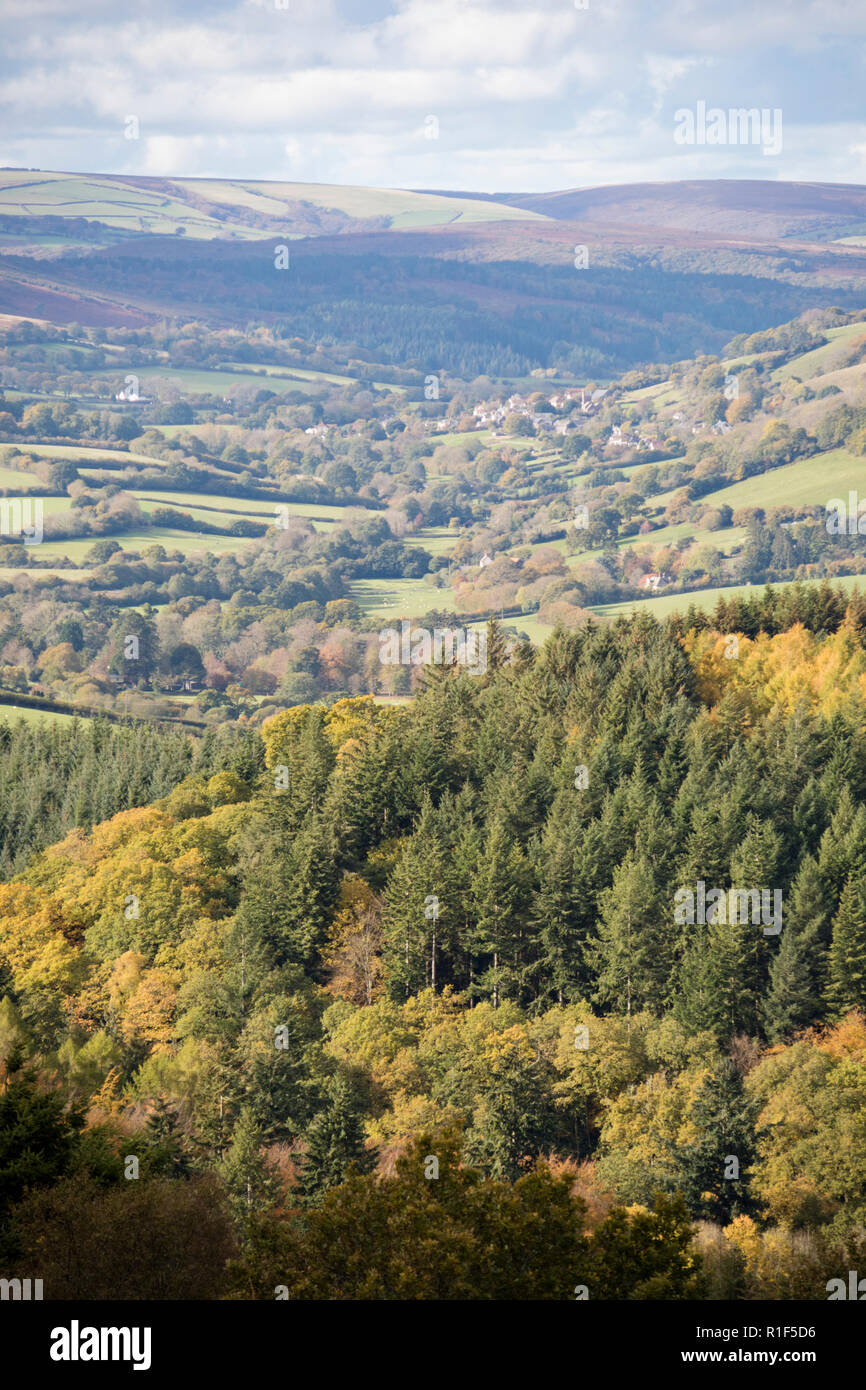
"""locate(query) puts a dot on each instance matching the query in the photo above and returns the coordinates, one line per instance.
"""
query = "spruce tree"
(736, 968)
(694, 1001)
(311, 887)
(290, 887)
(847, 982)
(795, 998)
(790, 1004)
(420, 915)
(560, 911)
(497, 648)
(706, 856)
(715, 1166)
(500, 891)
(333, 1140)
(166, 1148)
(634, 951)
(834, 856)
(248, 1174)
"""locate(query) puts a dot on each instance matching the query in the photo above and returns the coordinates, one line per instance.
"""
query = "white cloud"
(528, 95)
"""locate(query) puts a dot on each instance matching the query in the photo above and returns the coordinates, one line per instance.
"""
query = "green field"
(705, 599)
(805, 483)
(724, 541)
(399, 598)
(649, 393)
(200, 381)
(305, 374)
(88, 452)
(51, 506)
(537, 631)
(322, 517)
(460, 437)
(185, 541)
(242, 506)
(823, 359)
(210, 507)
(74, 575)
(203, 207)
(438, 540)
(11, 714)
(401, 208)
(15, 480)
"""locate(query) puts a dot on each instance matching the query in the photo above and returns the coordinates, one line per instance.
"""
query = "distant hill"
(238, 208)
(474, 283)
(760, 208)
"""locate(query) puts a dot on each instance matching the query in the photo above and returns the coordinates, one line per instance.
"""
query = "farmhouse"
(652, 581)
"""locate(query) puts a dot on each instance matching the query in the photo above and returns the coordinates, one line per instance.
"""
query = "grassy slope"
(88, 452)
(11, 715)
(399, 598)
(807, 482)
(185, 541)
(203, 208)
(822, 359)
(706, 599)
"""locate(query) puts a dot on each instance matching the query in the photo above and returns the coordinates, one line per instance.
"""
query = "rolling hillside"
(205, 208)
(480, 284)
(754, 208)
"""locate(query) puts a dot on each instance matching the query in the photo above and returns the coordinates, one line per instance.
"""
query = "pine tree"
(166, 1150)
(560, 911)
(500, 892)
(834, 857)
(333, 1140)
(634, 951)
(798, 969)
(714, 1167)
(790, 1004)
(420, 916)
(247, 1173)
(497, 648)
(694, 1000)
(847, 983)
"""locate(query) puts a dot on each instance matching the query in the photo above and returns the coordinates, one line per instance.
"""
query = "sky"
(483, 95)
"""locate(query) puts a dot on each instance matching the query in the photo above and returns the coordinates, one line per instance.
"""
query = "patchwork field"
(399, 207)
(205, 208)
